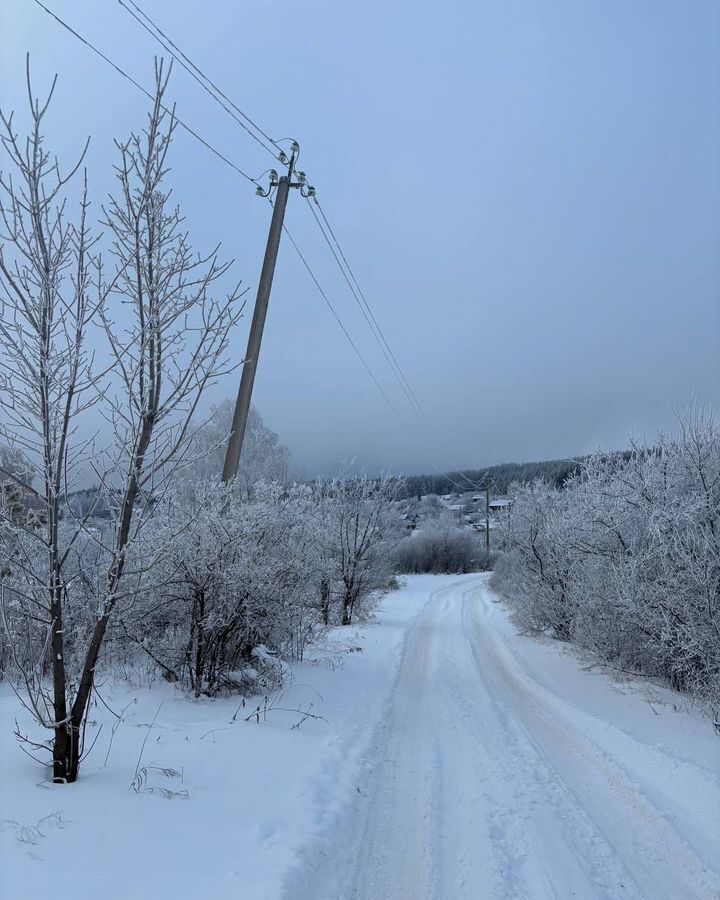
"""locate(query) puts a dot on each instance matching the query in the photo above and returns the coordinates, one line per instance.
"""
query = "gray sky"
(529, 193)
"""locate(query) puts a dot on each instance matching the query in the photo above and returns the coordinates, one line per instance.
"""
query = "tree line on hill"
(553, 471)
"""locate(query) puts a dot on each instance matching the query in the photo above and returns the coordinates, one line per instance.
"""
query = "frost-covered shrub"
(625, 559)
(228, 572)
(221, 585)
(534, 572)
(245, 574)
(442, 548)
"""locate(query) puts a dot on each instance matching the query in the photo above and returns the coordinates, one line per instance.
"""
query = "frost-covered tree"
(626, 559)
(17, 500)
(263, 457)
(535, 568)
(166, 337)
(48, 275)
(364, 528)
(257, 577)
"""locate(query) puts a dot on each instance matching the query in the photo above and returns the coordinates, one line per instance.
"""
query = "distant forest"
(554, 471)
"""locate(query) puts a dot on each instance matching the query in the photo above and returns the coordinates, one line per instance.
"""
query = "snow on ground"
(457, 760)
(502, 769)
(255, 793)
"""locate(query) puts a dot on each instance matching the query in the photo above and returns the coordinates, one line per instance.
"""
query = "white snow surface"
(456, 759)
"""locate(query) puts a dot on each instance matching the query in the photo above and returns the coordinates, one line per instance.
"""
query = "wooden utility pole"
(247, 380)
(488, 485)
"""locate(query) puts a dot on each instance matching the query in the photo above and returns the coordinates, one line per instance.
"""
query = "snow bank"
(224, 805)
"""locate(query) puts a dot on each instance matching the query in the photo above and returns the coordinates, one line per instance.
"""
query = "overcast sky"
(529, 194)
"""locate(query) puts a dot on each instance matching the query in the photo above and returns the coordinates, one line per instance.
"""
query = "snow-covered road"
(454, 760)
(503, 770)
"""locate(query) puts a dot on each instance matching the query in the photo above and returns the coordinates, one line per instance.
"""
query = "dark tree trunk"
(347, 606)
(114, 578)
(199, 640)
(61, 742)
(82, 698)
(325, 600)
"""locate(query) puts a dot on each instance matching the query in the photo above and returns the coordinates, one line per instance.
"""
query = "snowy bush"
(363, 529)
(268, 569)
(625, 560)
(244, 574)
(442, 548)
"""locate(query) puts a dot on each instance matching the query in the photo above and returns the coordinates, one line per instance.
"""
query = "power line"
(357, 291)
(217, 153)
(340, 323)
(205, 77)
(132, 81)
(214, 90)
(394, 364)
(364, 310)
(195, 72)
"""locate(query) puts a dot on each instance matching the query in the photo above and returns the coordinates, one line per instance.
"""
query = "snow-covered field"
(456, 759)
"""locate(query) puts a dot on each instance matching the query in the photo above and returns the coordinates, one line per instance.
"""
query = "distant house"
(411, 520)
(500, 505)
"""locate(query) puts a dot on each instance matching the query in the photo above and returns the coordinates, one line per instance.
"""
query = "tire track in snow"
(481, 783)
(542, 844)
(393, 848)
(656, 856)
